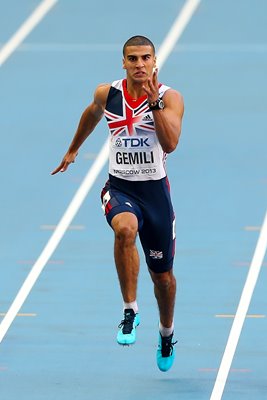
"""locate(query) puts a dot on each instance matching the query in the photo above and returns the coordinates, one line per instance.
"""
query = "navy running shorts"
(150, 201)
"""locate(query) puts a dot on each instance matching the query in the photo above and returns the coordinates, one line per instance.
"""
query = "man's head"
(138, 41)
(139, 58)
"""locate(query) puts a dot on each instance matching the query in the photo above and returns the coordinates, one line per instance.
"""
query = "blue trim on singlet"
(114, 101)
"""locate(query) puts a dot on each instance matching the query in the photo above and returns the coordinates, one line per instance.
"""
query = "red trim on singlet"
(134, 103)
(130, 100)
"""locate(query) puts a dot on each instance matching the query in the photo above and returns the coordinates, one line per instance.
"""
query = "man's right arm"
(89, 119)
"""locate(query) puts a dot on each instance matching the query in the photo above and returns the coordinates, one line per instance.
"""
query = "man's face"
(139, 62)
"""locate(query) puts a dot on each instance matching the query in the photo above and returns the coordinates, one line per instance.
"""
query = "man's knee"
(163, 280)
(125, 226)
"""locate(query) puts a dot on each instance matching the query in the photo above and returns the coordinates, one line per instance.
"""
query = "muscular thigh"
(158, 232)
(151, 203)
(115, 203)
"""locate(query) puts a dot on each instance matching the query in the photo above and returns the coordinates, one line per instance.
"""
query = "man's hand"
(67, 160)
(152, 88)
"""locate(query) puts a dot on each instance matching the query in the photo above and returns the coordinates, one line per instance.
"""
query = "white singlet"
(135, 152)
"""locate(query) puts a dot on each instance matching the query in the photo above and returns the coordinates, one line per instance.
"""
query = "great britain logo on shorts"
(155, 254)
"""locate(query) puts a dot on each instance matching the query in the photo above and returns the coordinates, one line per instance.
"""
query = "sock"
(166, 331)
(133, 305)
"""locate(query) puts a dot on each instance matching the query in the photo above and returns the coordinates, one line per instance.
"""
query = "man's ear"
(123, 63)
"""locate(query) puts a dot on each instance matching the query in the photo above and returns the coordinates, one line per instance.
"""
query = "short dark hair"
(138, 40)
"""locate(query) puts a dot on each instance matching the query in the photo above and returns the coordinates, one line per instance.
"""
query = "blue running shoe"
(127, 332)
(165, 352)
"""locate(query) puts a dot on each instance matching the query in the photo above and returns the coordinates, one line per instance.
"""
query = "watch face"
(157, 105)
(161, 104)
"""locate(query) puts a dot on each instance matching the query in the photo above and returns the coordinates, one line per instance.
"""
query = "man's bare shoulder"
(102, 90)
(174, 99)
(101, 94)
(174, 94)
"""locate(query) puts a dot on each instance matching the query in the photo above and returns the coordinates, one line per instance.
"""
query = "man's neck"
(135, 89)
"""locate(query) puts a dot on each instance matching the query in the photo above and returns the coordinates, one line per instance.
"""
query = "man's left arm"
(168, 121)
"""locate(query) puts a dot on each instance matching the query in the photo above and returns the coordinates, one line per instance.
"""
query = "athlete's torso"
(135, 152)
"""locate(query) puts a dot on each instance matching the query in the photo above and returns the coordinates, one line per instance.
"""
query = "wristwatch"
(157, 105)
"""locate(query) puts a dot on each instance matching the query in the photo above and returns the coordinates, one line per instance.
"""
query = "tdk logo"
(132, 142)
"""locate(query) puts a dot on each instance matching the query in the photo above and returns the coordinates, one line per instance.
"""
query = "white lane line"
(176, 30)
(54, 240)
(21, 314)
(78, 198)
(70, 227)
(26, 28)
(241, 312)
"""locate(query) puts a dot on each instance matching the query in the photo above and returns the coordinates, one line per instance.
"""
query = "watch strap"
(155, 104)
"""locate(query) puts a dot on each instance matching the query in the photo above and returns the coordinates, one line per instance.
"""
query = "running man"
(144, 120)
